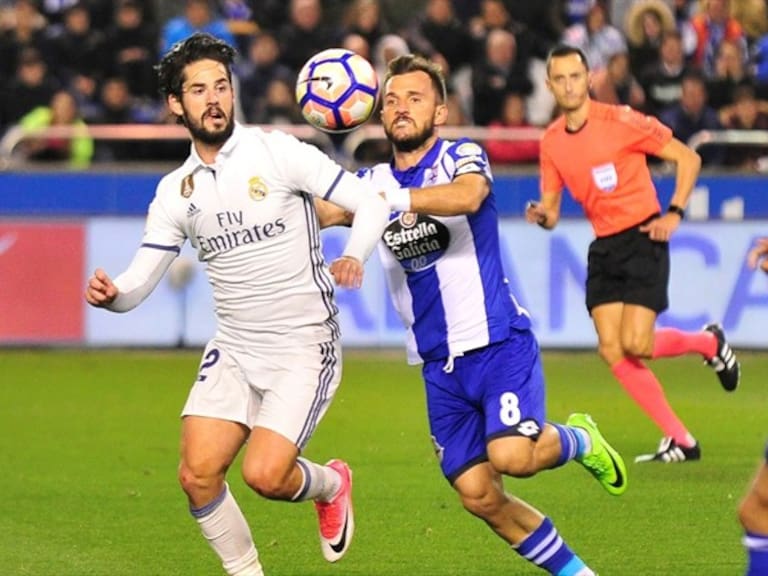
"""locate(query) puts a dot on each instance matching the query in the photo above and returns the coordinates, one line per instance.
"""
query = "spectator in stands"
(595, 36)
(22, 27)
(712, 26)
(260, 67)
(118, 106)
(746, 113)
(662, 84)
(280, 104)
(507, 151)
(388, 47)
(545, 20)
(357, 44)
(31, 87)
(131, 45)
(615, 84)
(494, 15)
(575, 11)
(304, 34)
(54, 10)
(199, 16)
(270, 14)
(78, 54)
(439, 35)
(728, 73)
(496, 74)
(365, 17)
(692, 114)
(753, 17)
(238, 15)
(62, 111)
(646, 23)
(684, 11)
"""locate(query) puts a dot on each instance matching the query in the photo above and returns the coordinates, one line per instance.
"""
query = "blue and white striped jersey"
(444, 273)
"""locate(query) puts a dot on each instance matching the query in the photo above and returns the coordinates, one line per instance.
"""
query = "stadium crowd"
(695, 64)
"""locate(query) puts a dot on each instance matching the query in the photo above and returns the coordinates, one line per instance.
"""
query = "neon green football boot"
(603, 462)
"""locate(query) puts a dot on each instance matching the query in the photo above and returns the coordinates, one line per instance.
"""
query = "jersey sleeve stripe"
(176, 249)
(335, 183)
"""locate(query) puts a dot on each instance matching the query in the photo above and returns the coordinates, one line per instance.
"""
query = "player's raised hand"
(347, 272)
(758, 256)
(100, 290)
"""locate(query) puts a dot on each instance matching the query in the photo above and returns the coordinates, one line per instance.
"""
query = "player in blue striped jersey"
(481, 364)
(753, 509)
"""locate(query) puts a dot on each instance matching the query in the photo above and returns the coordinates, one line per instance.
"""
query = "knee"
(610, 352)
(637, 345)
(483, 503)
(267, 481)
(201, 483)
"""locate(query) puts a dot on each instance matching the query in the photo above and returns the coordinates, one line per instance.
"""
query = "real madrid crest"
(187, 186)
(257, 190)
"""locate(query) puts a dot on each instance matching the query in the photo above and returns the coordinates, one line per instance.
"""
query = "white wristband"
(399, 200)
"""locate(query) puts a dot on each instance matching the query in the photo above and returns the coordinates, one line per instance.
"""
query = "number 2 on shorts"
(208, 360)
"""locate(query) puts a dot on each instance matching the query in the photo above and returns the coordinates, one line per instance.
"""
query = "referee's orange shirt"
(603, 165)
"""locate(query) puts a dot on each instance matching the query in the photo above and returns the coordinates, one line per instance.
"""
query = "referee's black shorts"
(628, 267)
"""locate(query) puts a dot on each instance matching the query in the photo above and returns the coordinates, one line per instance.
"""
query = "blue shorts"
(491, 392)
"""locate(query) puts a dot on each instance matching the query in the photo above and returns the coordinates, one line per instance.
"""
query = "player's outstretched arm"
(131, 287)
(464, 195)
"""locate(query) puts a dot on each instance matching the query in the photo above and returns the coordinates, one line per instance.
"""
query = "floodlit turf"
(88, 455)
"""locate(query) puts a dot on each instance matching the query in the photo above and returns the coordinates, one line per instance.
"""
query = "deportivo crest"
(187, 186)
(257, 189)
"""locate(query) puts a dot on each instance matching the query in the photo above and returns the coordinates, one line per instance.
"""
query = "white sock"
(320, 482)
(226, 530)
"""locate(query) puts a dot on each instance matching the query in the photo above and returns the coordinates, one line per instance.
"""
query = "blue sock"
(757, 552)
(545, 548)
(572, 443)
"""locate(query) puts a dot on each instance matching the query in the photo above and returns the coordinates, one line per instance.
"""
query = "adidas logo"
(192, 210)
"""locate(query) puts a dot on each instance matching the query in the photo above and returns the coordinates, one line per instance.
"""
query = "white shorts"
(287, 392)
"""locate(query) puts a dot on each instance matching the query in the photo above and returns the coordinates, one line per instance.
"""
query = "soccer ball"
(337, 90)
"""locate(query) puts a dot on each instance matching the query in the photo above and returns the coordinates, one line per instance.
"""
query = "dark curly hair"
(199, 46)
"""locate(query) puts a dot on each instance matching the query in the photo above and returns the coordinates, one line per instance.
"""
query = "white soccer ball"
(337, 90)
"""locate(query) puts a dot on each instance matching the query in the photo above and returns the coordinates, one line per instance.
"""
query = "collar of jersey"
(225, 151)
(410, 176)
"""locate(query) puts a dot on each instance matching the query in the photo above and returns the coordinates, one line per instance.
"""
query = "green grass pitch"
(88, 456)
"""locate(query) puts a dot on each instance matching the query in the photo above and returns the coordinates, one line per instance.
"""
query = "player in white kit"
(244, 200)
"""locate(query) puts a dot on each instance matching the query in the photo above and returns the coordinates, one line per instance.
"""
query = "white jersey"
(252, 219)
(444, 273)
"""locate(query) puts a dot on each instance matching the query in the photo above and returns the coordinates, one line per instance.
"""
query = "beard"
(209, 137)
(412, 142)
